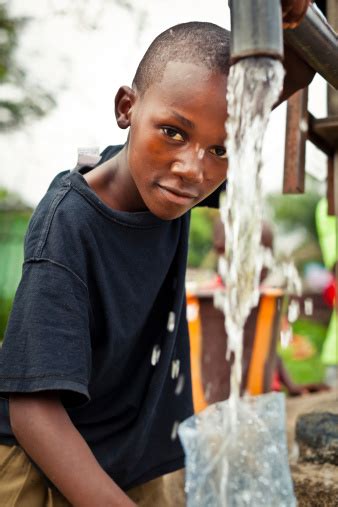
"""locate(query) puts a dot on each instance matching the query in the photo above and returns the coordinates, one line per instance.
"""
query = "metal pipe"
(316, 42)
(256, 29)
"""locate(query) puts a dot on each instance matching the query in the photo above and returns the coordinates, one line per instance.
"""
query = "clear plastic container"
(236, 454)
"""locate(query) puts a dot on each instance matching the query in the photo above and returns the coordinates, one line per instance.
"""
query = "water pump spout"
(256, 29)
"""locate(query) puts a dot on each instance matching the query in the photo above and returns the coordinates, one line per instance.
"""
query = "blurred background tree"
(22, 98)
(294, 219)
(14, 218)
(201, 252)
(19, 99)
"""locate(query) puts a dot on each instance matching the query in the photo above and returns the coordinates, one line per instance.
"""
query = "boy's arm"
(44, 430)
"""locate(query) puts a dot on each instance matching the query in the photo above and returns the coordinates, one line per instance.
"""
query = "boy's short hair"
(196, 42)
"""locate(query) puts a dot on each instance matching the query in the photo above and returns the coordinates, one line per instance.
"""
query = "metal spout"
(256, 29)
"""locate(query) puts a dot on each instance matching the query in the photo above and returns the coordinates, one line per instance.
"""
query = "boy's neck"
(113, 184)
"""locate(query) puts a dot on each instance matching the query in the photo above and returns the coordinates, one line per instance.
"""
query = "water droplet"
(192, 312)
(207, 393)
(293, 311)
(246, 497)
(294, 454)
(308, 306)
(179, 385)
(174, 430)
(155, 356)
(303, 125)
(200, 154)
(171, 322)
(286, 337)
(222, 267)
(175, 368)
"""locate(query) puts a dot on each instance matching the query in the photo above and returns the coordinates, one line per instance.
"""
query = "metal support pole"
(332, 184)
(295, 139)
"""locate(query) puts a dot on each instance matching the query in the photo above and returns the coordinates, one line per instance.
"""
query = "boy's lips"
(178, 196)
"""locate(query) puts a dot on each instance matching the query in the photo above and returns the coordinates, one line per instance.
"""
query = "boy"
(95, 362)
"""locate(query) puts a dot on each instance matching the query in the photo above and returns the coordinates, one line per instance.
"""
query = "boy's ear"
(124, 100)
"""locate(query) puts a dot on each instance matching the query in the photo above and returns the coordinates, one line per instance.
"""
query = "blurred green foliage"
(201, 236)
(314, 331)
(292, 211)
(14, 218)
(310, 370)
(31, 100)
(8, 29)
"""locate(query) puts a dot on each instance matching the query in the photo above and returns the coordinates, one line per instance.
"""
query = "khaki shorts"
(21, 485)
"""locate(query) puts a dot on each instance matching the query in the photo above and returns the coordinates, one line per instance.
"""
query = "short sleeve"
(47, 341)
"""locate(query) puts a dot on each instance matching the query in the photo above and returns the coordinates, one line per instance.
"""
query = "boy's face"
(175, 152)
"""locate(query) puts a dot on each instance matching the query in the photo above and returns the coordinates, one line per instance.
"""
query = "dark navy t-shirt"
(100, 316)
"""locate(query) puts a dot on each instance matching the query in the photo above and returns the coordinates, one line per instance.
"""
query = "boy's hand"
(293, 12)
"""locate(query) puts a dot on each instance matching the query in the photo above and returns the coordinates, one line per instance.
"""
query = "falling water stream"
(236, 451)
(253, 88)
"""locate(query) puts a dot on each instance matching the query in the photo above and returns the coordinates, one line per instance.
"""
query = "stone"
(315, 485)
(317, 437)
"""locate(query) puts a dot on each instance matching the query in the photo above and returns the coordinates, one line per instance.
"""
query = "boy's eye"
(219, 151)
(173, 133)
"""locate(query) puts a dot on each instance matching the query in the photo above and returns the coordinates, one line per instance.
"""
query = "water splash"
(254, 86)
(174, 430)
(308, 306)
(236, 450)
(175, 368)
(155, 355)
(179, 385)
(171, 322)
(293, 311)
(242, 470)
(286, 336)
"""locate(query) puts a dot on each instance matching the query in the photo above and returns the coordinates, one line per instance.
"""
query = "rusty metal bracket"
(295, 139)
(317, 134)
(332, 184)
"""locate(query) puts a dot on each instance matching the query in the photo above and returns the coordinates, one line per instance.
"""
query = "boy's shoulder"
(65, 206)
(71, 217)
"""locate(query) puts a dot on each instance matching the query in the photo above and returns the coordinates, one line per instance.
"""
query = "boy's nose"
(189, 169)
